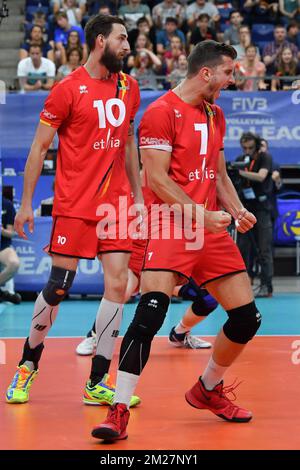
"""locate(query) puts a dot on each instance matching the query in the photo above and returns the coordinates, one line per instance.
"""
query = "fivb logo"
(2, 353)
(2, 92)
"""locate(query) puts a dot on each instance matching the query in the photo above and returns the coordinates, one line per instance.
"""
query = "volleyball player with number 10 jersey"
(92, 110)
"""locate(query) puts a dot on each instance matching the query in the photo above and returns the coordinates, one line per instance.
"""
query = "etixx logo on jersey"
(83, 89)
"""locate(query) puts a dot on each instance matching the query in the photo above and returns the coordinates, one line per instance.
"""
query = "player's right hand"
(24, 216)
(216, 221)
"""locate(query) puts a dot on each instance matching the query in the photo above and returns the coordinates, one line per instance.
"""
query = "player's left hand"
(244, 221)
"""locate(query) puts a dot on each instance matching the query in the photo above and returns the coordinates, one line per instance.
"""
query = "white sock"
(213, 374)
(125, 386)
(181, 328)
(42, 320)
(108, 321)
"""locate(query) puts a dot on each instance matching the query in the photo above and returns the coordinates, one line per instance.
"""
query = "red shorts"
(78, 238)
(218, 257)
(136, 260)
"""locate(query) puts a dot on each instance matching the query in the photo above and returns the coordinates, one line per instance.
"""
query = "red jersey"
(194, 135)
(92, 117)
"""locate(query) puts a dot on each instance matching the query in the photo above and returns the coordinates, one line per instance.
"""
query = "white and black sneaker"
(6, 296)
(186, 340)
(87, 345)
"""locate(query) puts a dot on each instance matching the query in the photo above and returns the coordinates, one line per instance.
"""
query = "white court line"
(160, 336)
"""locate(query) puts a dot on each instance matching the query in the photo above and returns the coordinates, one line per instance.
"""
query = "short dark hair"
(143, 19)
(248, 136)
(279, 26)
(171, 19)
(35, 45)
(61, 14)
(203, 16)
(100, 24)
(292, 24)
(251, 46)
(233, 12)
(208, 53)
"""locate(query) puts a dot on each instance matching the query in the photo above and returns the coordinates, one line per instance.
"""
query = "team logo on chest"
(83, 89)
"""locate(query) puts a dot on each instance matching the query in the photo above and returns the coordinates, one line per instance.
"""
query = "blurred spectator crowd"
(265, 34)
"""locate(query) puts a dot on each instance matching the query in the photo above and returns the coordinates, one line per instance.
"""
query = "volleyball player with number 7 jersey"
(92, 110)
(181, 142)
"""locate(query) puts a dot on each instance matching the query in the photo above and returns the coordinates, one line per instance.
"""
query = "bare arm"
(23, 54)
(8, 232)
(132, 166)
(42, 140)
(49, 84)
(229, 199)
(25, 86)
(258, 177)
(156, 164)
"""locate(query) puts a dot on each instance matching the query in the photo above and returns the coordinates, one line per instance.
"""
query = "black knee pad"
(243, 323)
(58, 285)
(203, 305)
(148, 319)
(149, 316)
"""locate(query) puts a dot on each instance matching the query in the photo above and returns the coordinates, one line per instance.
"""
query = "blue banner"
(35, 266)
(273, 115)
(42, 191)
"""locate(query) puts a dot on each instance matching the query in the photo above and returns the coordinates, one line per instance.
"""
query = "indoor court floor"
(55, 417)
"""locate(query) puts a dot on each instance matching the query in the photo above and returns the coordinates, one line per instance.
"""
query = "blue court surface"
(281, 316)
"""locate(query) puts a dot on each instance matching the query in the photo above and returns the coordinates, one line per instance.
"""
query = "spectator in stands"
(293, 35)
(261, 11)
(132, 12)
(74, 59)
(39, 19)
(202, 31)
(231, 34)
(144, 71)
(273, 49)
(171, 56)
(74, 13)
(244, 42)
(142, 26)
(74, 42)
(163, 37)
(61, 35)
(168, 9)
(104, 10)
(250, 66)
(201, 6)
(179, 72)
(36, 72)
(289, 10)
(36, 37)
(142, 43)
(58, 5)
(288, 66)
(9, 259)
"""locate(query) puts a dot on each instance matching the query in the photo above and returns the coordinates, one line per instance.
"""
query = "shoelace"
(115, 414)
(229, 389)
(23, 376)
(192, 341)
